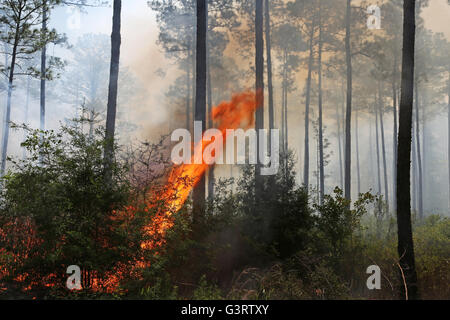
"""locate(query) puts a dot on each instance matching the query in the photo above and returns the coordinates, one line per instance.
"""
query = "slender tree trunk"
(348, 119)
(448, 138)
(425, 152)
(43, 65)
(338, 118)
(269, 66)
(194, 84)
(321, 155)
(188, 95)
(371, 171)
(8, 101)
(358, 168)
(307, 106)
(414, 169)
(378, 148)
(394, 102)
(383, 148)
(419, 155)
(286, 89)
(200, 99)
(405, 239)
(283, 101)
(91, 123)
(113, 88)
(211, 178)
(27, 104)
(259, 64)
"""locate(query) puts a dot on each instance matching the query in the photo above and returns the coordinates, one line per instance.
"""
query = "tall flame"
(234, 114)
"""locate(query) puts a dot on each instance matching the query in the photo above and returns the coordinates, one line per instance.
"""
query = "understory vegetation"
(270, 242)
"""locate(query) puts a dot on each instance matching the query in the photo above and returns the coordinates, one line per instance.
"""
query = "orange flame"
(234, 114)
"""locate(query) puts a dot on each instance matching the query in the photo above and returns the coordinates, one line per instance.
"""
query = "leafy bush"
(56, 210)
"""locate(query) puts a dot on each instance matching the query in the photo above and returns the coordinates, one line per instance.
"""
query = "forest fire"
(237, 113)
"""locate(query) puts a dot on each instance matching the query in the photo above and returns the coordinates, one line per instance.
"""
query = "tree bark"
(27, 104)
(9, 96)
(419, 155)
(113, 88)
(383, 150)
(211, 178)
(394, 102)
(404, 228)
(188, 94)
(378, 147)
(414, 169)
(200, 100)
(307, 104)
(321, 153)
(358, 168)
(283, 101)
(338, 118)
(425, 153)
(269, 66)
(43, 66)
(259, 64)
(348, 119)
(448, 139)
(285, 119)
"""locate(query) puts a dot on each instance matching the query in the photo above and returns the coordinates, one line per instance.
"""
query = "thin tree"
(269, 65)
(419, 154)
(259, 81)
(348, 114)
(448, 134)
(20, 19)
(200, 98)
(113, 88)
(358, 167)
(43, 64)
(383, 147)
(404, 228)
(308, 101)
(321, 153)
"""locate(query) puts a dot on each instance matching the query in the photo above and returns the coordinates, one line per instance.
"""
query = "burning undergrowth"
(110, 237)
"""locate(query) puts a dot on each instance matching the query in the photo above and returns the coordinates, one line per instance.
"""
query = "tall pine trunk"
(414, 169)
(321, 153)
(285, 106)
(338, 118)
(188, 93)
(404, 228)
(200, 100)
(358, 168)
(259, 81)
(419, 155)
(425, 153)
(269, 66)
(348, 116)
(27, 104)
(43, 66)
(211, 178)
(9, 97)
(377, 140)
(448, 139)
(307, 104)
(283, 101)
(395, 131)
(113, 88)
(383, 150)
(371, 162)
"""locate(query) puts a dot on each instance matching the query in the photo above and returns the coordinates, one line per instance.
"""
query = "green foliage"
(207, 291)
(59, 196)
(277, 217)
